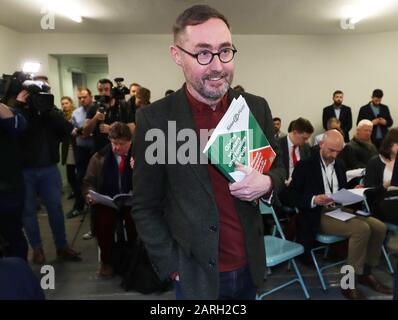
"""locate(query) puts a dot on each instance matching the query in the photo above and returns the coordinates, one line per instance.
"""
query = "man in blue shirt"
(84, 147)
(379, 114)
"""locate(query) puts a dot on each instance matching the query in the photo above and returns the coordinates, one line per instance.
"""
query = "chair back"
(268, 209)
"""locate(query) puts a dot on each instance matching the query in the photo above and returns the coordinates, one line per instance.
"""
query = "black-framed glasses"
(205, 57)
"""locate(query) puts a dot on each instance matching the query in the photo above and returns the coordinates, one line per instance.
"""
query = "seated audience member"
(378, 175)
(357, 153)
(109, 173)
(277, 128)
(294, 146)
(169, 91)
(332, 123)
(313, 181)
(143, 97)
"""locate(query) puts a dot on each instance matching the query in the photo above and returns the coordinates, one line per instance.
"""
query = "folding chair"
(390, 228)
(326, 240)
(279, 250)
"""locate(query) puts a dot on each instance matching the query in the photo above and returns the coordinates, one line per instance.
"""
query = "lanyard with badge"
(332, 205)
(329, 182)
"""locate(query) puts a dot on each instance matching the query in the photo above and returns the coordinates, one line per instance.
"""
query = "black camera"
(120, 90)
(11, 85)
(102, 101)
(39, 97)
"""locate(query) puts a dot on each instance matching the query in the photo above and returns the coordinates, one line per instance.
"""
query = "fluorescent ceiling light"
(363, 9)
(31, 67)
(65, 8)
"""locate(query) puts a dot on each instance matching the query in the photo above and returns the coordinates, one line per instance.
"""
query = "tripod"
(82, 219)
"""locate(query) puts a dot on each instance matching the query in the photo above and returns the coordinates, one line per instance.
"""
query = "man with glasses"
(200, 230)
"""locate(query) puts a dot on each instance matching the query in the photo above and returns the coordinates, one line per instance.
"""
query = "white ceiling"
(157, 16)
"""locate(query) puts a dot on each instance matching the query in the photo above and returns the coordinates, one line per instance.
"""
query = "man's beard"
(338, 103)
(213, 94)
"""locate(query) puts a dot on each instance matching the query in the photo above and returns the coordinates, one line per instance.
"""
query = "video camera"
(39, 97)
(120, 90)
(102, 102)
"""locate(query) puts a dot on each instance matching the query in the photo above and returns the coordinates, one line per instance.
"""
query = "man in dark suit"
(357, 153)
(314, 181)
(199, 230)
(294, 147)
(341, 112)
(379, 114)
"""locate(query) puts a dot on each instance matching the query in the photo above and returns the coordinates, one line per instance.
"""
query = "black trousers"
(11, 227)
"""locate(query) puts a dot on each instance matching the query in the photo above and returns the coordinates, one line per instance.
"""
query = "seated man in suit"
(339, 111)
(360, 149)
(110, 173)
(313, 182)
(294, 146)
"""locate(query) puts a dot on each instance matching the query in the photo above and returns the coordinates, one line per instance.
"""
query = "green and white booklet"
(238, 138)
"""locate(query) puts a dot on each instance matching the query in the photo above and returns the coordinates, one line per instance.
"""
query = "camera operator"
(107, 110)
(40, 147)
(11, 184)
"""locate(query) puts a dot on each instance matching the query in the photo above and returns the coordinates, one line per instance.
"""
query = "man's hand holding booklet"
(239, 139)
(117, 202)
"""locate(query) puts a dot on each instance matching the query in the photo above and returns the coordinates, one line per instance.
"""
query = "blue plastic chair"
(326, 240)
(390, 228)
(279, 250)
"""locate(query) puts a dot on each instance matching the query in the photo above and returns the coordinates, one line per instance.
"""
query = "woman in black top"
(379, 172)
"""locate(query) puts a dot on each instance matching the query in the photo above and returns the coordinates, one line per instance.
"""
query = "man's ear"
(175, 55)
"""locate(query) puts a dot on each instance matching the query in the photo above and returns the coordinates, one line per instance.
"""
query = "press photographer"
(12, 240)
(107, 109)
(39, 146)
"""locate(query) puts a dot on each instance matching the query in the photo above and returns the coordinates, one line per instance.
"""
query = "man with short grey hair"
(360, 149)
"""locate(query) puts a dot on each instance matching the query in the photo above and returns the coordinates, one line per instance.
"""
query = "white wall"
(297, 74)
(10, 49)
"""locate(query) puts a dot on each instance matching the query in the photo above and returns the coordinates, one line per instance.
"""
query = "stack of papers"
(340, 215)
(346, 197)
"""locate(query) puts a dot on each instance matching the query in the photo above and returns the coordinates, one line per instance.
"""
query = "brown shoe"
(353, 294)
(371, 282)
(68, 254)
(38, 256)
(105, 270)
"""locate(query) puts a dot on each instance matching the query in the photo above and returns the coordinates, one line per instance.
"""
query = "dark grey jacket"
(356, 154)
(174, 207)
(305, 152)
